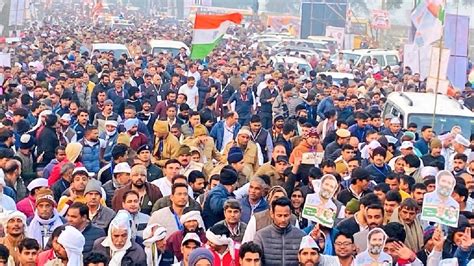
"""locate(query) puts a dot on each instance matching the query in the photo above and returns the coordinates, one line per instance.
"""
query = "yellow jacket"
(250, 157)
(170, 150)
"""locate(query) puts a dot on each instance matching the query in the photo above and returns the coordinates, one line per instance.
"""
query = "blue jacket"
(90, 157)
(247, 212)
(213, 210)
(359, 132)
(377, 174)
(325, 105)
(217, 133)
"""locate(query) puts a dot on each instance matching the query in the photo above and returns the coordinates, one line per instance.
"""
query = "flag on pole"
(428, 19)
(97, 9)
(208, 31)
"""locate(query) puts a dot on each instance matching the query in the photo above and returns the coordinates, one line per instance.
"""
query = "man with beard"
(67, 243)
(103, 85)
(137, 139)
(344, 248)
(406, 215)
(283, 252)
(197, 181)
(14, 223)
(434, 157)
(162, 107)
(144, 158)
(46, 218)
(353, 224)
(249, 148)
(417, 193)
(374, 253)
(146, 115)
(441, 197)
(374, 218)
(184, 158)
(360, 179)
(65, 131)
(459, 164)
(81, 124)
(262, 137)
(148, 193)
(192, 223)
(106, 114)
(154, 242)
(308, 254)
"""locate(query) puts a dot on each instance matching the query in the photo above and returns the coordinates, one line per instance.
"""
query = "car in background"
(301, 43)
(171, 47)
(298, 51)
(287, 62)
(337, 77)
(362, 56)
(117, 48)
(416, 107)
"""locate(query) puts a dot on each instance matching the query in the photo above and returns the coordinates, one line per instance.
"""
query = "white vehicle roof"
(338, 75)
(423, 103)
(168, 43)
(289, 59)
(108, 46)
(369, 51)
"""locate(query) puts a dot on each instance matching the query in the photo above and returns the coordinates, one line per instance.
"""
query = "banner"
(380, 19)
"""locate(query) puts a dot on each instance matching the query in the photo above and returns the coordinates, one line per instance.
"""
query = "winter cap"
(199, 254)
(235, 155)
(200, 130)
(93, 185)
(228, 176)
(130, 123)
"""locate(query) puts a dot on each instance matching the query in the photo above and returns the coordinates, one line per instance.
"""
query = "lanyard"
(178, 223)
(378, 170)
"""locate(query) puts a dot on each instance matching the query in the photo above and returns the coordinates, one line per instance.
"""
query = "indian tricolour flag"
(208, 31)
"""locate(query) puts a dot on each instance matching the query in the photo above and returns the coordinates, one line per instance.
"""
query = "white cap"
(191, 236)
(406, 145)
(122, 168)
(111, 123)
(153, 233)
(36, 183)
(428, 171)
(308, 242)
(81, 169)
(462, 140)
(66, 117)
(244, 131)
(395, 120)
(391, 139)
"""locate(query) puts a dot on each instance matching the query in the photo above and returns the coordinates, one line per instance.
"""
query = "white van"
(172, 47)
(361, 56)
(117, 48)
(415, 107)
(288, 61)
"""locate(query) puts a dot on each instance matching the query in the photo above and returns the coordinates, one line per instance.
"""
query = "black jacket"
(48, 141)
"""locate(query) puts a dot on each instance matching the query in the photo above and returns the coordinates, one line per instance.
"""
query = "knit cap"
(235, 155)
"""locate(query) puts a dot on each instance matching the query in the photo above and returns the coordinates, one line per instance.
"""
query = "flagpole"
(439, 68)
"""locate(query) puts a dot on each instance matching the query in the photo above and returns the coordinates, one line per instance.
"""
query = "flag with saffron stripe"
(208, 31)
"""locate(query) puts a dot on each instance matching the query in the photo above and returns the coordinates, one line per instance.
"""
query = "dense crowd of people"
(162, 160)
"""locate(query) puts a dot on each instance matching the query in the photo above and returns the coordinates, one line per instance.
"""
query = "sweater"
(280, 245)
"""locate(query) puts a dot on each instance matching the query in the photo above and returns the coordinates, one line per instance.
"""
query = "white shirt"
(165, 186)
(6, 203)
(228, 136)
(196, 75)
(192, 94)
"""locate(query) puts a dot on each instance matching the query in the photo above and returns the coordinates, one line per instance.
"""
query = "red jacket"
(56, 172)
(138, 141)
(227, 260)
(44, 257)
